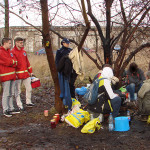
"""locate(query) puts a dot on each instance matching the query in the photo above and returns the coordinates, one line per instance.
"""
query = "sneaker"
(14, 111)
(7, 113)
(30, 105)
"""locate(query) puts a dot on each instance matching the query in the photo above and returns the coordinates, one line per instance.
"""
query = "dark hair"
(18, 39)
(133, 67)
(106, 65)
(5, 40)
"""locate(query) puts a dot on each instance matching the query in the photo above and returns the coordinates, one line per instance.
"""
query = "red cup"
(55, 118)
(53, 123)
(58, 117)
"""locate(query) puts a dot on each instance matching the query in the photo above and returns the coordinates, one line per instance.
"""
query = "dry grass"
(42, 71)
(40, 67)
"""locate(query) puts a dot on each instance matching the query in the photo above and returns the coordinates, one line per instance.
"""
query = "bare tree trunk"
(6, 18)
(50, 56)
(106, 41)
(107, 45)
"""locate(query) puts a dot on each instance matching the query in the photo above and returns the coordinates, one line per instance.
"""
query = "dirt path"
(31, 130)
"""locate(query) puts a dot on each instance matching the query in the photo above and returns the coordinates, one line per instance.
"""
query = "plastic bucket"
(122, 124)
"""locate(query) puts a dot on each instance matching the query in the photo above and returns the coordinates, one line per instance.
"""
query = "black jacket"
(60, 53)
(65, 66)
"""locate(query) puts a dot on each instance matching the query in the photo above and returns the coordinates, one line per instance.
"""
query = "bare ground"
(31, 130)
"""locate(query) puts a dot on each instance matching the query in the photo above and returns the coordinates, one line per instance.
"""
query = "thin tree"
(50, 56)
(6, 18)
(48, 47)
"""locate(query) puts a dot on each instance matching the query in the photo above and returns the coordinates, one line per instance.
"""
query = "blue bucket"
(122, 124)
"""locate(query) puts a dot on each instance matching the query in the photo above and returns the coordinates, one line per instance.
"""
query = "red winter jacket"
(23, 68)
(8, 64)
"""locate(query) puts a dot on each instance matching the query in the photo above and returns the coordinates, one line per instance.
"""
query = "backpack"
(92, 92)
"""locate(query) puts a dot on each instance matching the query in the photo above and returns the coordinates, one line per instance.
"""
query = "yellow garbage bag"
(75, 102)
(91, 126)
(148, 120)
(77, 119)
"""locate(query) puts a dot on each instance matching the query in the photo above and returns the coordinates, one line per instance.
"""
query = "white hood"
(107, 73)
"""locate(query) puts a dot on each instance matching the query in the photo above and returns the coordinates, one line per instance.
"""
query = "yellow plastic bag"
(148, 120)
(77, 119)
(75, 102)
(91, 126)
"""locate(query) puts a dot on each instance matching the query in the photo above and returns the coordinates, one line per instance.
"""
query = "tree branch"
(133, 54)
(95, 22)
(135, 28)
(87, 26)
(60, 36)
(94, 60)
(23, 19)
(123, 13)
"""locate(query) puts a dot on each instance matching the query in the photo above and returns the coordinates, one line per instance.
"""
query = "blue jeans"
(131, 89)
(116, 103)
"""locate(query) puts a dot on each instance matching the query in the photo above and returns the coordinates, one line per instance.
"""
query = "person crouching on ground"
(8, 64)
(23, 72)
(105, 93)
(144, 98)
(134, 80)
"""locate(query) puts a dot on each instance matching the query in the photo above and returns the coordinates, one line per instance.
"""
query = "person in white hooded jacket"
(107, 100)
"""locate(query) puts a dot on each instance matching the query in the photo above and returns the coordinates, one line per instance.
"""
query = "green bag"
(123, 89)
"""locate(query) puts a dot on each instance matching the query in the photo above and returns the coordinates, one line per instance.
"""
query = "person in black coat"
(64, 64)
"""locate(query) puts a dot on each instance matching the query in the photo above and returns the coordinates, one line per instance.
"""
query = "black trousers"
(73, 77)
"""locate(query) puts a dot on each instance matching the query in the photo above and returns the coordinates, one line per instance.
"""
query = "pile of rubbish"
(77, 117)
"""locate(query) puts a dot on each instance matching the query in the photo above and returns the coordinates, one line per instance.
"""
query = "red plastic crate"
(35, 84)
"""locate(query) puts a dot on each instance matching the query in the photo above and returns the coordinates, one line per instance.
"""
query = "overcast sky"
(65, 15)
(14, 20)
(33, 16)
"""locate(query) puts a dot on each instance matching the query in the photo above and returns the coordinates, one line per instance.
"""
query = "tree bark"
(6, 18)
(107, 45)
(50, 56)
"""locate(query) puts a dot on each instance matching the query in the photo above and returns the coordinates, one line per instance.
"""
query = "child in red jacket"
(23, 72)
(8, 64)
